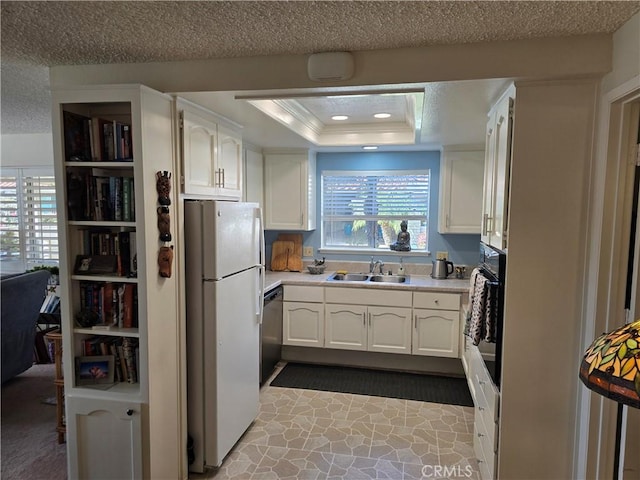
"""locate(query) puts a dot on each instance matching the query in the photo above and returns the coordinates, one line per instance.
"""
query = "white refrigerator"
(224, 289)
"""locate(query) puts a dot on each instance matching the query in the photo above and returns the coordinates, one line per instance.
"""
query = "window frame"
(372, 250)
(26, 218)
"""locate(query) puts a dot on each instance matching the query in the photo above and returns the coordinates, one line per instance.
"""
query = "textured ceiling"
(38, 34)
(60, 33)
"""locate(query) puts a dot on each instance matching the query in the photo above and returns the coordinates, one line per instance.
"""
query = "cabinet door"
(346, 327)
(389, 329)
(489, 184)
(501, 174)
(199, 150)
(106, 438)
(289, 197)
(496, 177)
(253, 177)
(303, 324)
(461, 180)
(229, 163)
(436, 333)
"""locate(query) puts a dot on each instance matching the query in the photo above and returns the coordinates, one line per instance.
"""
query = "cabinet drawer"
(365, 296)
(483, 441)
(297, 293)
(434, 300)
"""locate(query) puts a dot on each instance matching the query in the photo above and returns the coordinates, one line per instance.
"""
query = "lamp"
(611, 365)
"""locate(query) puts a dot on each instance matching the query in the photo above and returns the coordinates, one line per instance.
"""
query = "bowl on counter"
(316, 269)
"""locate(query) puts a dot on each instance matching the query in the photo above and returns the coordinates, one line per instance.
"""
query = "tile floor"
(306, 434)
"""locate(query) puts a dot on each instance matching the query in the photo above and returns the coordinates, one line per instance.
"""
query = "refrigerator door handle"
(261, 267)
(262, 240)
(260, 297)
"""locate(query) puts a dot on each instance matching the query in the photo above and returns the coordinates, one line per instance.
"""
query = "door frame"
(611, 188)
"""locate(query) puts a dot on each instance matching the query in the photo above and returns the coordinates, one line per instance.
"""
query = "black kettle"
(441, 269)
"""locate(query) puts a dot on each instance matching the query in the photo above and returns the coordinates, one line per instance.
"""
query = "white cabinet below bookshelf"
(92, 425)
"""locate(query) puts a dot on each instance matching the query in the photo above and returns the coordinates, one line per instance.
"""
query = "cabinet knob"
(129, 412)
(480, 435)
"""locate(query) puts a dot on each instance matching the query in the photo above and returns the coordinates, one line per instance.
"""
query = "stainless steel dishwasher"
(271, 333)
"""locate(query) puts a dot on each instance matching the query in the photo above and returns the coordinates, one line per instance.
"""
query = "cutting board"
(281, 251)
(295, 259)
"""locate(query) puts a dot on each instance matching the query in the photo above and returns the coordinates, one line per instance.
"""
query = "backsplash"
(363, 267)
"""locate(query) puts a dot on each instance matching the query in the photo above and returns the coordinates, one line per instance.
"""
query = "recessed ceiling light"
(339, 117)
(370, 147)
(382, 115)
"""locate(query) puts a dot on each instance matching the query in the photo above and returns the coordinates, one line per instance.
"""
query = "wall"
(608, 251)
(552, 153)
(27, 150)
(463, 249)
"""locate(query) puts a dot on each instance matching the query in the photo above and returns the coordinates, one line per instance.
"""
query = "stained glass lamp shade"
(611, 365)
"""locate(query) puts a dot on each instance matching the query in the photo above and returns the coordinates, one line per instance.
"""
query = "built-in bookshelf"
(100, 191)
(118, 315)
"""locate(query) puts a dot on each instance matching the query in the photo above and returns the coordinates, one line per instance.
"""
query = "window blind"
(28, 219)
(353, 203)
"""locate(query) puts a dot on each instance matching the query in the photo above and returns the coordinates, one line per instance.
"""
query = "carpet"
(30, 448)
(377, 383)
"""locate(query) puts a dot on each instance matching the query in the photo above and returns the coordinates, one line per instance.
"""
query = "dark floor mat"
(378, 383)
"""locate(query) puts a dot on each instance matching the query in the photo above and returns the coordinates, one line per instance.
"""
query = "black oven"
(492, 265)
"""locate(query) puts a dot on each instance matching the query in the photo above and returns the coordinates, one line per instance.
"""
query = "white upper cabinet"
(496, 173)
(212, 164)
(461, 178)
(290, 191)
(253, 175)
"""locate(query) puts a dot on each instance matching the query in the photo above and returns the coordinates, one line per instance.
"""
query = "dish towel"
(490, 315)
(476, 328)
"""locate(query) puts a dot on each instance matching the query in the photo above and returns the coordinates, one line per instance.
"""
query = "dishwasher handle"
(272, 295)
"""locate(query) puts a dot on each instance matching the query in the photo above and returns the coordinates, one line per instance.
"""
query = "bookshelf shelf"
(105, 278)
(95, 224)
(114, 332)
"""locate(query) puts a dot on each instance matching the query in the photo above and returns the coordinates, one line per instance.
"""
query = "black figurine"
(403, 244)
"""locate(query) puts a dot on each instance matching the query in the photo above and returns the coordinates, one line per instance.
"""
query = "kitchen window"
(362, 210)
(28, 221)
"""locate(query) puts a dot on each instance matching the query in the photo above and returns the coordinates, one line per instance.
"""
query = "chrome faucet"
(373, 265)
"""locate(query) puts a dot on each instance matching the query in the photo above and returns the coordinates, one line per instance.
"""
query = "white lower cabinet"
(486, 400)
(99, 426)
(303, 316)
(436, 323)
(303, 324)
(345, 327)
(389, 330)
(373, 320)
(376, 329)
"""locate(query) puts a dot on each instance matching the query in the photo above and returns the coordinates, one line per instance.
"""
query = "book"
(126, 198)
(133, 267)
(128, 349)
(108, 145)
(77, 146)
(128, 306)
(123, 364)
(117, 365)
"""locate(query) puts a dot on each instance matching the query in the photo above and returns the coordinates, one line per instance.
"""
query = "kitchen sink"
(349, 277)
(364, 277)
(389, 278)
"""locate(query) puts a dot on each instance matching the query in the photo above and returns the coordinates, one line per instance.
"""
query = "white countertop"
(416, 282)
